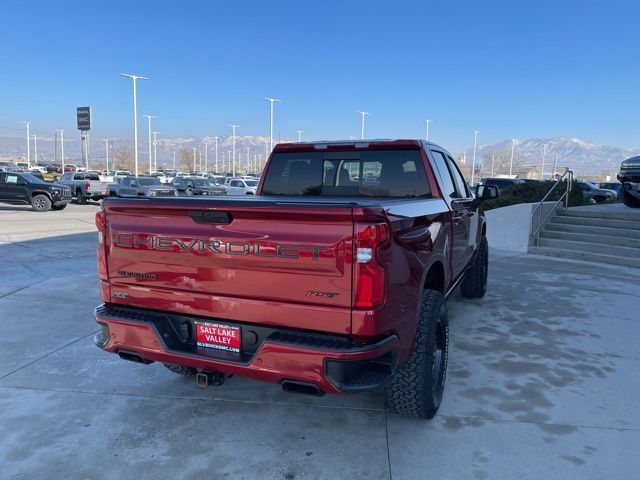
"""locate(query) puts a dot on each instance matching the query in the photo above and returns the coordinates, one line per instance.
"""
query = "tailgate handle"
(203, 216)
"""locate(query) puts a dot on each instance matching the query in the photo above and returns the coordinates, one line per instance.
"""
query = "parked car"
(5, 166)
(24, 166)
(337, 287)
(120, 174)
(596, 194)
(629, 177)
(85, 186)
(142, 186)
(69, 168)
(54, 168)
(239, 186)
(503, 184)
(23, 188)
(197, 186)
(615, 186)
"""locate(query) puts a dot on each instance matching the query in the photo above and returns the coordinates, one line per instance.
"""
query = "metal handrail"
(564, 197)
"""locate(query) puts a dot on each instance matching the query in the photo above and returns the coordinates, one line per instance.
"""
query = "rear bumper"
(334, 364)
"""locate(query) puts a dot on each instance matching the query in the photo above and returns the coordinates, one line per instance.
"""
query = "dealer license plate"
(218, 336)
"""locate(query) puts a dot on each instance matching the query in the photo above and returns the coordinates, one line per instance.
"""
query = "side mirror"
(486, 192)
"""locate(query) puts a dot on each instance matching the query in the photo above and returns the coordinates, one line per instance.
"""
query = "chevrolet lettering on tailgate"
(213, 246)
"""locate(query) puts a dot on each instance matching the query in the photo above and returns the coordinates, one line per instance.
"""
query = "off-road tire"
(417, 387)
(59, 207)
(474, 284)
(180, 370)
(80, 198)
(40, 203)
(629, 200)
(188, 191)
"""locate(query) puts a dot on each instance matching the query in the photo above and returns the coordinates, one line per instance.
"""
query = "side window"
(235, 183)
(448, 185)
(461, 184)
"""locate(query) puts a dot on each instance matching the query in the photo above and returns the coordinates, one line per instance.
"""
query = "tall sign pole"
(83, 115)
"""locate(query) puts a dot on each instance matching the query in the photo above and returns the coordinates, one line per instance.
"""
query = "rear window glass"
(383, 173)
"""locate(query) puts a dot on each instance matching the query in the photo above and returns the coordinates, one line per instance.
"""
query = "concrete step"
(595, 222)
(586, 256)
(604, 240)
(609, 250)
(599, 211)
(590, 229)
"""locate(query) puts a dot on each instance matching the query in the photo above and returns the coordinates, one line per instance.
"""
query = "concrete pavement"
(543, 382)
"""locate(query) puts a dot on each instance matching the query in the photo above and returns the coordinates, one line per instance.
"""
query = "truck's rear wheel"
(41, 203)
(629, 200)
(416, 389)
(80, 198)
(474, 284)
(180, 370)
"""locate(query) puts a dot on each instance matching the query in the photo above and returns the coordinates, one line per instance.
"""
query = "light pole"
(362, 115)
(428, 122)
(271, 102)
(35, 147)
(194, 160)
(493, 161)
(28, 124)
(513, 148)
(106, 153)
(174, 159)
(266, 151)
(155, 151)
(216, 139)
(299, 135)
(62, 150)
(544, 154)
(134, 78)
(233, 146)
(248, 159)
(473, 162)
(149, 117)
(206, 157)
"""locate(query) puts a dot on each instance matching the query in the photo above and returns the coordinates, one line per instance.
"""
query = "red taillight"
(101, 254)
(370, 276)
(87, 186)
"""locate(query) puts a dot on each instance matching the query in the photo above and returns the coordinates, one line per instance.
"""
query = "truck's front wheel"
(629, 200)
(416, 389)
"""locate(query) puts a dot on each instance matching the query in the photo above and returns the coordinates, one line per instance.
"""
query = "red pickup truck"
(332, 279)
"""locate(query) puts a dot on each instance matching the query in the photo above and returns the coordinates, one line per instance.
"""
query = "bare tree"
(186, 159)
(123, 158)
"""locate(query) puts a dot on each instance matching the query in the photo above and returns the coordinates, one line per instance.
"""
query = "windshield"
(383, 173)
(148, 181)
(251, 183)
(32, 179)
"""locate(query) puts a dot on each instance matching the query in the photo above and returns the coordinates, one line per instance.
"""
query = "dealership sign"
(84, 118)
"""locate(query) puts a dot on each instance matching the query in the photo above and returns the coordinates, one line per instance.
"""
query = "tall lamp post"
(155, 151)
(428, 122)
(473, 162)
(206, 157)
(300, 135)
(135, 78)
(271, 102)
(216, 139)
(149, 117)
(233, 146)
(35, 147)
(362, 115)
(62, 150)
(544, 154)
(28, 124)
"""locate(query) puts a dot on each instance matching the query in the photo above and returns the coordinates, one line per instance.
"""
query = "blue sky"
(511, 69)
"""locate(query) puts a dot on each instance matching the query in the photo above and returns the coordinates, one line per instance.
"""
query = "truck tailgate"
(258, 262)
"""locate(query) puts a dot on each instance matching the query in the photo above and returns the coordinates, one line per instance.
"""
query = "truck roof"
(367, 144)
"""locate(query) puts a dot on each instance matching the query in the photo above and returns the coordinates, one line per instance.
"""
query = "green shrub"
(531, 192)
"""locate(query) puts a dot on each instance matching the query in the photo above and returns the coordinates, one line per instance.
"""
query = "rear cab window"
(370, 173)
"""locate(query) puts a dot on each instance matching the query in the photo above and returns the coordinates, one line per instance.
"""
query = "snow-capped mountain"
(583, 157)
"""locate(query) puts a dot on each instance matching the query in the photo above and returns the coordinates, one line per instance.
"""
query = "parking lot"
(543, 382)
